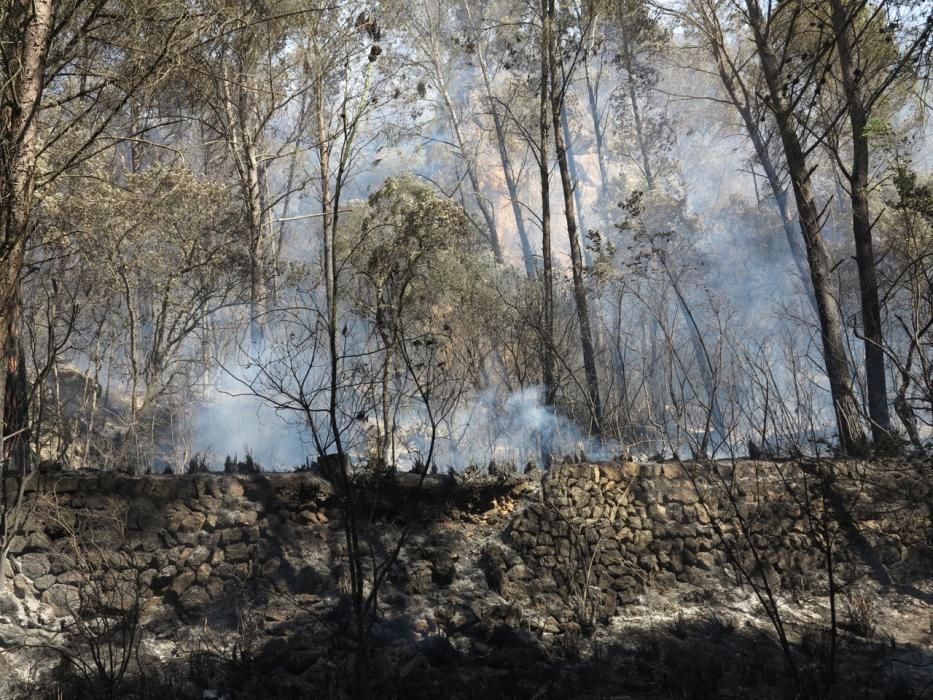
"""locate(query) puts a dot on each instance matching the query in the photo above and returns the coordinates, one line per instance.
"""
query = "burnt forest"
(454, 349)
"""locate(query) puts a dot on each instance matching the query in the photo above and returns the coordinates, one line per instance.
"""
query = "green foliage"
(909, 229)
(414, 257)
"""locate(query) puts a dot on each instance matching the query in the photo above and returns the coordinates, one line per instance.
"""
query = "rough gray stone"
(34, 564)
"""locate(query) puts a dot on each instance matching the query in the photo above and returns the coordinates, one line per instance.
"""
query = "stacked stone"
(186, 542)
(623, 527)
(190, 542)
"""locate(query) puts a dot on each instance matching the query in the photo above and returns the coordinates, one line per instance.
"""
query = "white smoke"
(507, 427)
(237, 425)
(234, 419)
(494, 425)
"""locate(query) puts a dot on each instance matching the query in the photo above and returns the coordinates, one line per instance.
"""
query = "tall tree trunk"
(575, 179)
(576, 258)
(599, 135)
(27, 30)
(323, 154)
(241, 137)
(838, 371)
(257, 244)
(876, 382)
(547, 305)
(509, 174)
(328, 223)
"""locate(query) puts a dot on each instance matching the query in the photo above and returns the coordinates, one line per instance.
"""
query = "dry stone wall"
(598, 533)
(622, 527)
(178, 544)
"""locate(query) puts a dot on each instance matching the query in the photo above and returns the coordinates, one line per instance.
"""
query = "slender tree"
(498, 113)
(868, 69)
(557, 87)
(835, 357)
(26, 32)
(547, 294)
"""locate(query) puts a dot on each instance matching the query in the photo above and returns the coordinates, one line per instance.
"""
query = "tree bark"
(547, 305)
(257, 247)
(29, 24)
(838, 371)
(875, 379)
(27, 29)
(241, 136)
(576, 258)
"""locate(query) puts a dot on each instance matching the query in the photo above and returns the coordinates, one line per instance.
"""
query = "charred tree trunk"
(876, 382)
(547, 303)
(576, 258)
(838, 371)
(15, 397)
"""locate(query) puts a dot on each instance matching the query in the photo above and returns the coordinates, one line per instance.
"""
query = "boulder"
(34, 565)
(182, 582)
(62, 599)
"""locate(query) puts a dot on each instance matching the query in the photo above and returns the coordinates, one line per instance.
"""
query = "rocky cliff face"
(254, 570)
